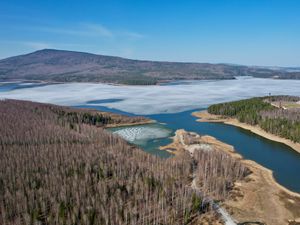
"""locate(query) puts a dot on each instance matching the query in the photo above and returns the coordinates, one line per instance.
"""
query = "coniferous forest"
(59, 166)
(267, 112)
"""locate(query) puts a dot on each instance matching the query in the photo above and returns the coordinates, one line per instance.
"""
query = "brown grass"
(257, 197)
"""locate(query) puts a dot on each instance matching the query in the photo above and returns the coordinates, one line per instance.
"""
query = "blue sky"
(250, 32)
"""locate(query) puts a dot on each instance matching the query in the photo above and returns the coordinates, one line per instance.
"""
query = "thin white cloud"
(36, 45)
(83, 30)
(98, 29)
(126, 52)
(90, 30)
(133, 35)
(120, 42)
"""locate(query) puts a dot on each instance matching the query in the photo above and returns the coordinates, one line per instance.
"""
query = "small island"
(274, 117)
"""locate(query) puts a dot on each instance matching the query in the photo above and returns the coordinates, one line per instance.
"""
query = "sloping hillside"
(55, 169)
(69, 66)
(58, 166)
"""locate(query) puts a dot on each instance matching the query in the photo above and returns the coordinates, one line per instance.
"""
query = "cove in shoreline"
(204, 116)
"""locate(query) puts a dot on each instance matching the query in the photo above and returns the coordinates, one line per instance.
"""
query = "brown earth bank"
(204, 116)
(257, 198)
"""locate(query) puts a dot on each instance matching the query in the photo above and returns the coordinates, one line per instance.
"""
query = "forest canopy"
(59, 166)
(279, 115)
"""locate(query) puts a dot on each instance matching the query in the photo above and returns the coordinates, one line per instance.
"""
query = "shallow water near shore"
(149, 137)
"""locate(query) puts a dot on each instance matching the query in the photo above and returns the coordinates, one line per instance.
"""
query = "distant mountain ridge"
(69, 66)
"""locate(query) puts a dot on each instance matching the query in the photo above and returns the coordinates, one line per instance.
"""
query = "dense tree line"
(52, 172)
(285, 98)
(259, 111)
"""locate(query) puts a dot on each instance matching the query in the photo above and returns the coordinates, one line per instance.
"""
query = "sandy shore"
(204, 116)
(258, 197)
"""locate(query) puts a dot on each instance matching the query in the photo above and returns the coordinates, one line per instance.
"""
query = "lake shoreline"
(146, 122)
(204, 116)
(259, 194)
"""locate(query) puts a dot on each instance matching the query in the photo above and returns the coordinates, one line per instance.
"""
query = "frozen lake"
(147, 100)
(172, 105)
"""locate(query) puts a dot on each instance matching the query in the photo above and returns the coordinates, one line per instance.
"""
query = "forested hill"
(58, 166)
(69, 66)
(279, 115)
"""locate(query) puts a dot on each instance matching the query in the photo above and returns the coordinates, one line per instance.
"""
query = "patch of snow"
(225, 216)
(142, 133)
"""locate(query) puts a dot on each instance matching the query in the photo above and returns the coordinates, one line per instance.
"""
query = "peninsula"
(257, 197)
(274, 117)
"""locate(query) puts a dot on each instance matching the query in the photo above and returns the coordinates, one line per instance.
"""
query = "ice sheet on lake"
(145, 100)
(137, 134)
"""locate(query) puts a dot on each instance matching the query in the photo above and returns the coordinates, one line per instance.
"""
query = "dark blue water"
(278, 157)
(4, 87)
(281, 159)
